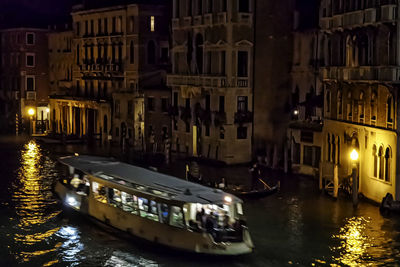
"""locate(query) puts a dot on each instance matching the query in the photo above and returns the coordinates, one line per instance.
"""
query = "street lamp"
(31, 112)
(354, 157)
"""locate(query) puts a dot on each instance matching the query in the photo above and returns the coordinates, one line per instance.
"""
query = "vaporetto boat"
(159, 208)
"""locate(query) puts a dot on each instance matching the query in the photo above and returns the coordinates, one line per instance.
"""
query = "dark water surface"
(298, 226)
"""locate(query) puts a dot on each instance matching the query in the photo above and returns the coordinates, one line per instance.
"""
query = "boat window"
(99, 192)
(129, 203)
(114, 197)
(143, 206)
(153, 211)
(239, 208)
(164, 211)
(176, 218)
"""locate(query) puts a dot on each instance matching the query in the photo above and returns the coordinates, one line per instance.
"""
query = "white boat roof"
(172, 187)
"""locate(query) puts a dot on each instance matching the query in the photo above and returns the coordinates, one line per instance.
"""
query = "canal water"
(297, 226)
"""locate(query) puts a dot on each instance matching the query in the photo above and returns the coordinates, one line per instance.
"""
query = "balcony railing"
(243, 116)
(245, 18)
(187, 21)
(197, 20)
(221, 18)
(365, 73)
(369, 16)
(353, 19)
(388, 13)
(175, 23)
(208, 19)
(207, 81)
(325, 23)
(30, 95)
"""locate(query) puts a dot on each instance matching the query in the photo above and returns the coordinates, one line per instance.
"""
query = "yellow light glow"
(31, 112)
(354, 155)
(152, 22)
(295, 112)
(47, 110)
(76, 154)
(228, 199)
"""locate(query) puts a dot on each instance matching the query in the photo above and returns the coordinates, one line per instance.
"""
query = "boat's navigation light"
(76, 154)
(228, 199)
(71, 201)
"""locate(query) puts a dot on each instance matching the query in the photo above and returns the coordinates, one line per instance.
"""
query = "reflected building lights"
(353, 242)
(32, 199)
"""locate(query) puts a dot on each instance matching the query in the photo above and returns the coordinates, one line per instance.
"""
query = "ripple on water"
(34, 206)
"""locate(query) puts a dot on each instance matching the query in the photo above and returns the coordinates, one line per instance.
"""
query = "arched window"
(388, 157)
(389, 110)
(199, 53)
(361, 108)
(328, 101)
(363, 50)
(349, 106)
(338, 150)
(381, 162)
(132, 53)
(373, 107)
(151, 52)
(105, 124)
(77, 55)
(333, 149)
(375, 157)
(329, 147)
(339, 103)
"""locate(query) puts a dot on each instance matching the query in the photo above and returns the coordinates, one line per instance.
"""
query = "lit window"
(152, 22)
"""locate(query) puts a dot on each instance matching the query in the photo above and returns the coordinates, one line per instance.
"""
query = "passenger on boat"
(201, 218)
(226, 222)
(76, 181)
(223, 184)
(211, 224)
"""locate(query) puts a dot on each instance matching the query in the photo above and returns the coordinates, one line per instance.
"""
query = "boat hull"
(153, 231)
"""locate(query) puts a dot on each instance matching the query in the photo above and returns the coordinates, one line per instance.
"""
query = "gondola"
(258, 193)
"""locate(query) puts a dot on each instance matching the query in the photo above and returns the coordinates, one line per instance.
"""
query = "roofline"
(24, 29)
(98, 10)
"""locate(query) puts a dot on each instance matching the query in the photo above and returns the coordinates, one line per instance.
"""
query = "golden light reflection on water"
(354, 242)
(32, 198)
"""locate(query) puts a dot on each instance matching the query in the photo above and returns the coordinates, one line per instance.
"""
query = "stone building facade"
(115, 51)
(211, 79)
(24, 79)
(305, 129)
(273, 56)
(359, 49)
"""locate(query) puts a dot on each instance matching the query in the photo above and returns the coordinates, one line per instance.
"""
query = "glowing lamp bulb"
(228, 199)
(296, 112)
(354, 155)
(47, 110)
(31, 111)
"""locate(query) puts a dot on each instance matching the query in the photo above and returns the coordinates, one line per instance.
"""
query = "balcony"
(30, 95)
(337, 21)
(187, 21)
(325, 23)
(353, 19)
(369, 16)
(243, 116)
(197, 20)
(388, 13)
(175, 23)
(221, 18)
(245, 18)
(207, 81)
(208, 19)
(363, 73)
